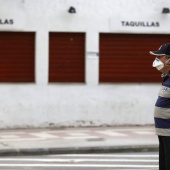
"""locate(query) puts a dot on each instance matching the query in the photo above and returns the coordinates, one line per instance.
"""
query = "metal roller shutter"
(126, 58)
(17, 56)
(67, 57)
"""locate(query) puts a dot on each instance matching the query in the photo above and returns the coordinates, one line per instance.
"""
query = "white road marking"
(21, 139)
(112, 133)
(108, 156)
(44, 135)
(80, 137)
(78, 165)
(12, 133)
(77, 134)
(77, 160)
(8, 136)
(143, 133)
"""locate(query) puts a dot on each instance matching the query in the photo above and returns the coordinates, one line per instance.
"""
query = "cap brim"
(157, 53)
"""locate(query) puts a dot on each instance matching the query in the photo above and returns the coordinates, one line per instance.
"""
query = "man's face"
(166, 67)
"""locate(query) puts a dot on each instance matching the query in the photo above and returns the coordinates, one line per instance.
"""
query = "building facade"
(79, 62)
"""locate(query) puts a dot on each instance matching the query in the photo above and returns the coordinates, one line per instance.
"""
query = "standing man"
(162, 106)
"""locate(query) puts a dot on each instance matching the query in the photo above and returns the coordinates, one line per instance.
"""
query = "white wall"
(42, 104)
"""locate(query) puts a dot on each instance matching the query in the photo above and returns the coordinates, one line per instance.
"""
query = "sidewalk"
(77, 140)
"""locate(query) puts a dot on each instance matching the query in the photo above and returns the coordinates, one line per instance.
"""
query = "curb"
(78, 150)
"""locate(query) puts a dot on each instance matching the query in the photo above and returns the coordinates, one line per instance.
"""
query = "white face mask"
(159, 64)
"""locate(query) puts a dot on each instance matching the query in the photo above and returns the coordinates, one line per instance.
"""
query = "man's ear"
(168, 61)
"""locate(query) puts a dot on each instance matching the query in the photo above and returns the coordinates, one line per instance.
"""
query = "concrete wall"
(41, 104)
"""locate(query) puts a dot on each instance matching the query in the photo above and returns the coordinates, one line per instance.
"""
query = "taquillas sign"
(6, 21)
(139, 24)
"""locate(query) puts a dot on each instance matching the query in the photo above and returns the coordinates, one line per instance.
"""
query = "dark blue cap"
(163, 50)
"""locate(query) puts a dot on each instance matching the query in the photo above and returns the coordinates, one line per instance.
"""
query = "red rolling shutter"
(67, 57)
(17, 56)
(126, 58)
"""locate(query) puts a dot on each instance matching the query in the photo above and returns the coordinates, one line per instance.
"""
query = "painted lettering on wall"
(139, 24)
(6, 21)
